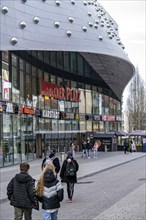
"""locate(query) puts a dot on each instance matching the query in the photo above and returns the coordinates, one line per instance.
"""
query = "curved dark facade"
(63, 72)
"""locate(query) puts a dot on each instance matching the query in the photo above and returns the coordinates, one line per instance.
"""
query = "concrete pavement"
(88, 167)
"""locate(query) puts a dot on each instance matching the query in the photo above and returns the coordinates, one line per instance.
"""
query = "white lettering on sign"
(50, 114)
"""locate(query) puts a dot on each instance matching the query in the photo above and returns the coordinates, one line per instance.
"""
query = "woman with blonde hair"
(50, 192)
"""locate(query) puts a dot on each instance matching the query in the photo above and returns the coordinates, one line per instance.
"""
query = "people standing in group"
(21, 193)
(55, 160)
(126, 146)
(84, 149)
(50, 192)
(96, 147)
(68, 174)
(88, 148)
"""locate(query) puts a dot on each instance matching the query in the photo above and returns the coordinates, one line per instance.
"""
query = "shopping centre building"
(63, 70)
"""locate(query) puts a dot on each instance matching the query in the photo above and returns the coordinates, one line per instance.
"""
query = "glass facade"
(47, 100)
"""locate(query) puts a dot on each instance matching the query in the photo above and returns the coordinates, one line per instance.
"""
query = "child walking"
(21, 193)
(50, 192)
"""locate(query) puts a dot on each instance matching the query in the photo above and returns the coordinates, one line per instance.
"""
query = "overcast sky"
(130, 16)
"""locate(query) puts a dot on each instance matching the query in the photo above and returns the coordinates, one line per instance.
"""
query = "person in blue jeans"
(50, 192)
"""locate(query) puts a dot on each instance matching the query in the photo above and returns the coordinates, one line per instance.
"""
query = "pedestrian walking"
(126, 146)
(50, 192)
(68, 174)
(55, 160)
(88, 148)
(72, 148)
(84, 149)
(21, 193)
(95, 148)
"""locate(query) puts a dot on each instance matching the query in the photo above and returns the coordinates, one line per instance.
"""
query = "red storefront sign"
(28, 110)
(59, 92)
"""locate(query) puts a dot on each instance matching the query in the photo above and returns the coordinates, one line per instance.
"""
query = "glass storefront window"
(68, 125)
(107, 128)
(96, 126)
(82, 126)
(54, 104)
(75, 125)
(61, 106)
(89, 125)
(34, 86)
(59, 60)
(46, 57)
(61, 125)
(6, 84)
(106, 104)
(95, 103)
(53, 58)
(22, 80)
(82, 102)
(47, 125)
(15, 90)
(28, 85)
(80, 62)
(101, 125)
(66, 61)
(75, 107)
(73, 63)
(7, 139)
(88, 102)
(53, 79)
(68, 107)
(54, 125)
(16, 139)
(100, 104)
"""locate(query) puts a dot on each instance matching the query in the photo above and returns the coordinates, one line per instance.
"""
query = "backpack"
(70, 169)
(47, 160)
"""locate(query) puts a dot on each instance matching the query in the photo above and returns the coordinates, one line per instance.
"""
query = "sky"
(130, 15)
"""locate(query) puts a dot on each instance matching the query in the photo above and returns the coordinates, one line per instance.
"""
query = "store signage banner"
(108, 118)
(59, 92)
(50, 114)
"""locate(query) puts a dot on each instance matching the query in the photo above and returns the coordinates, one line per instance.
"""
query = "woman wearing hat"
(68, 174)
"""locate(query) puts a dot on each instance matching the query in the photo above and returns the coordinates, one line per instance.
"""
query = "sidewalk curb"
(108, 168)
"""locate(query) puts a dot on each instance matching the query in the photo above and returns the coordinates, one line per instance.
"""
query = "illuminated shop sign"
(96, 117)
(50, 114)
(108, 118)
(59, 92)
(9, 107)
(28, 110)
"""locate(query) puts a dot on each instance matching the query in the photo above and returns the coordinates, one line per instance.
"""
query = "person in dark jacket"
(70, 180)
(21, 193)
(55, 160)
(88, 148)
(50, 192)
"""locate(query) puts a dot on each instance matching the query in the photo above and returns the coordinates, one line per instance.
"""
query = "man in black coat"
(21, 193)
(54, 159)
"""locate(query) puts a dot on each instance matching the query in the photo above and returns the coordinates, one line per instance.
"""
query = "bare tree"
(136, 103)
